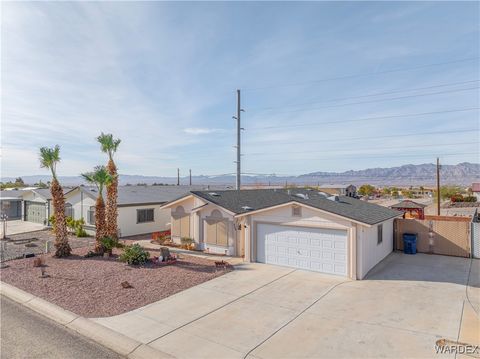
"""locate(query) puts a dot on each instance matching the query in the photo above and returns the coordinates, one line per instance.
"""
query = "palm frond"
(49, 157)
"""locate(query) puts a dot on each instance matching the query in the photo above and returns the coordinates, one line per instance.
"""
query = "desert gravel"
(91, 287)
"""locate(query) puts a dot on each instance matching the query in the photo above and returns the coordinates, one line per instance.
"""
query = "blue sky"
(314, 76)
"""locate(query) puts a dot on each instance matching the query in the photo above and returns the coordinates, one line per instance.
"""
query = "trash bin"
(409, 243)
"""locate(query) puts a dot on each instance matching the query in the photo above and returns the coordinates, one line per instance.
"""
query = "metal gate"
(35, 212)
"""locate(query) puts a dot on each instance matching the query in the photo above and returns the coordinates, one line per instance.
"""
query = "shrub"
(187, 242)
(134, 254)
(108, 243)
(80, 232)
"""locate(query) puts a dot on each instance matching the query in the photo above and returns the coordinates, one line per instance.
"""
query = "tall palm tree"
(100, 178)
(49, 157)
(109, 145)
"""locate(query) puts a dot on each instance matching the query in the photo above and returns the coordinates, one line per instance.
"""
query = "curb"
(107, 337)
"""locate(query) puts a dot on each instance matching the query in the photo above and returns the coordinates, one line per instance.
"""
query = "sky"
(325, 86)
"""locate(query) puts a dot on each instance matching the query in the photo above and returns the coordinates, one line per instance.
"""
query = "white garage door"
(316, 249)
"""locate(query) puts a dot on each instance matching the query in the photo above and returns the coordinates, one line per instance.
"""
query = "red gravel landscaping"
(91, 287)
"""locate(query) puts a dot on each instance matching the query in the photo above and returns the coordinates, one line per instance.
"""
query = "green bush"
(109, 243)
(80, 232)
(186, 241)
(134, 254)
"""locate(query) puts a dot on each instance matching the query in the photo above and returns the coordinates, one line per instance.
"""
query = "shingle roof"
(131, 195)
(348, 207)
(409, 204)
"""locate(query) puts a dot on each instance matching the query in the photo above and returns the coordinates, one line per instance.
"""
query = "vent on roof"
(214, 194)
(334, 198)
(247, 208)
(302, 195)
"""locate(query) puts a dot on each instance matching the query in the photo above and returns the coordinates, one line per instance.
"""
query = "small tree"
(366, 190)
(100, 178)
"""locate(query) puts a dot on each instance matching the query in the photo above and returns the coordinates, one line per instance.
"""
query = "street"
(26, 334)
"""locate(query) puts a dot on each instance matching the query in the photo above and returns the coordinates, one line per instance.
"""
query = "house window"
(145, 215)
(91, 215)
(379, 234)
(68, 210)
(296, 211)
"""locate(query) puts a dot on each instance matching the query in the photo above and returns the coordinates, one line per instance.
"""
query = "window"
(145, 215)
(379, 234)
(91, 215)
(68, 210)
(296, 211)
(217, 232)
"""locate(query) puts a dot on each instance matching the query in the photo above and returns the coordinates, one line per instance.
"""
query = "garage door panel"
(323, 250)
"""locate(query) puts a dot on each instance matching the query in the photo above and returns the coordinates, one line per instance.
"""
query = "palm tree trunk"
(100, 228)
(61, 238)
(111, 210)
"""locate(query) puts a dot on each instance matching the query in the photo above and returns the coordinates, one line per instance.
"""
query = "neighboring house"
(297, 228)
(37, 206)
(138, 207)
(476, 190)
(348, 190)
(11, 203)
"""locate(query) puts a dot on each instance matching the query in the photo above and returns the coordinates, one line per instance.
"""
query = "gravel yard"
(91, 287)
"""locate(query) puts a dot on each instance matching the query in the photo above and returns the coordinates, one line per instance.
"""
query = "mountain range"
(424, 174)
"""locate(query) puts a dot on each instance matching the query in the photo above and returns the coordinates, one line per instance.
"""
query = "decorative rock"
(126, 285)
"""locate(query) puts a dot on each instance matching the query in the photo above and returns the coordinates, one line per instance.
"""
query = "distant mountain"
(461, 174)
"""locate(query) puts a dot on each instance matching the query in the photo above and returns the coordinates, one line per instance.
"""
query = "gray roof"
(348, 207)
(12, 194)
(408, 204)
(45, 192)
(131, 195)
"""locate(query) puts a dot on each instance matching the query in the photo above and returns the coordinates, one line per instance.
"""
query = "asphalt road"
(26, 334)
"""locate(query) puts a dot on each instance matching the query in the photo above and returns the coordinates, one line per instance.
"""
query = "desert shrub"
(80, 232)
(470, 199)
(187, 242)
(108, 243)
(134, 254)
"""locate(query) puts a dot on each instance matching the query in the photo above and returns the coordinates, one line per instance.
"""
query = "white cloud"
(200, 130)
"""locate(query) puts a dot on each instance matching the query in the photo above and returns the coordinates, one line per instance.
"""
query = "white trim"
(167, 205)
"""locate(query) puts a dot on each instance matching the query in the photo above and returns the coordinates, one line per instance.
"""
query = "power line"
(361, 75)
(444, 132)
(373, 157)
(361, 96)
(360, 149)
(368, 118)
(374, 101)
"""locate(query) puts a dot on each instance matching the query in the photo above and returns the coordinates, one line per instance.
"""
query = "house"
(11, 204)
(348, 190)
(138, 207)
(410, 209)
(476, 190)
(37, 205)
(297, 228)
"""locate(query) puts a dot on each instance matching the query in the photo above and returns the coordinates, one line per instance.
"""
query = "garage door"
(35, 212)
(321, 250)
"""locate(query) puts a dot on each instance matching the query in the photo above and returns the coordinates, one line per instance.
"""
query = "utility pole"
(178, 176)
(190, 177)
(239, 129)
(438, 186)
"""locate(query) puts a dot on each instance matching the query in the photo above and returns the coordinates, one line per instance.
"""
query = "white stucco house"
(139, 209)
(297, 228)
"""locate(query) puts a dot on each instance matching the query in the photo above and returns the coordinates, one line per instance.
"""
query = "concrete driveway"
(19, 226)
(262, 311)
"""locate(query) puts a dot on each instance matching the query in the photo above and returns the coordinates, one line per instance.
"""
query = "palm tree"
(100, 178)
(49, 157)
(109, 145)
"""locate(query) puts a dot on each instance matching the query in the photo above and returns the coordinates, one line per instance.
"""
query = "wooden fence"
(451, 237)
